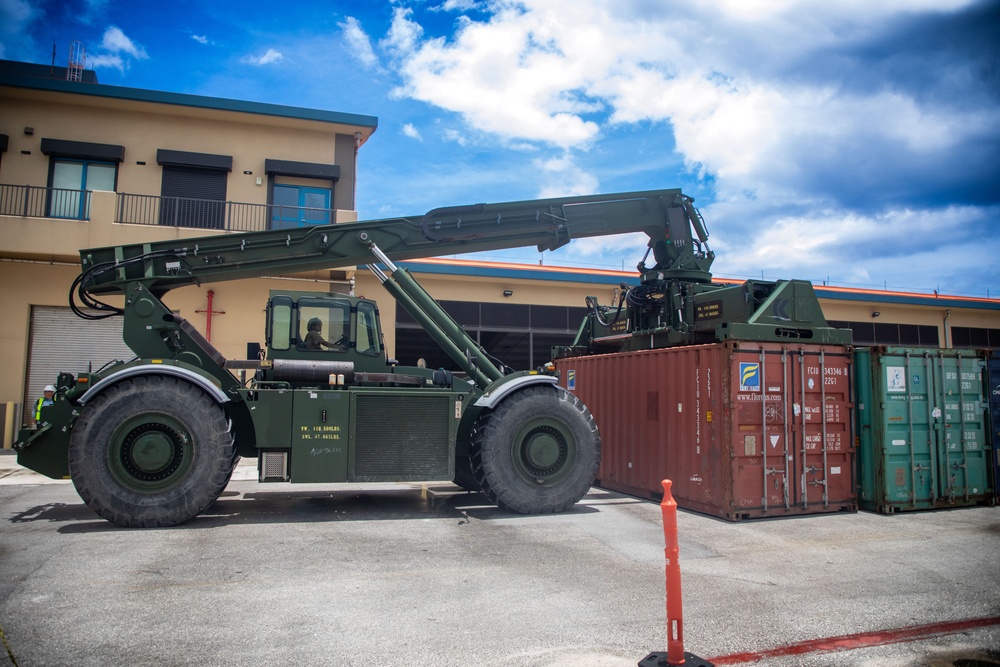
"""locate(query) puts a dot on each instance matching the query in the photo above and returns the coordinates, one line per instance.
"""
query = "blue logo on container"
(749, 376)
(571, 380)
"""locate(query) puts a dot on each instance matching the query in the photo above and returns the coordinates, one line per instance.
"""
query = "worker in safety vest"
(48, 398)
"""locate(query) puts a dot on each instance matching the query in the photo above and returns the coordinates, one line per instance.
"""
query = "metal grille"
(403, 438)
(274, 467)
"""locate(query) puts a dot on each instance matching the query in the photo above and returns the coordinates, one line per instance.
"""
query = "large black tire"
(537, 452)
(151, 451)
(464, 475)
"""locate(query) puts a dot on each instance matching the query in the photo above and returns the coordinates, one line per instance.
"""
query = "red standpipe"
(675, 654)
(208, 315)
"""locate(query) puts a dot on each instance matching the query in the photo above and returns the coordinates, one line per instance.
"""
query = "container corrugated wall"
(742, 429)
(922, 429)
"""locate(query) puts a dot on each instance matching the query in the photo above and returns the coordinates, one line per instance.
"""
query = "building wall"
(142, 128)
(39, 257)
(943, 318)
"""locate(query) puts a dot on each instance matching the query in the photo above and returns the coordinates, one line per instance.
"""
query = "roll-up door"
(61, 342)
(193, 197)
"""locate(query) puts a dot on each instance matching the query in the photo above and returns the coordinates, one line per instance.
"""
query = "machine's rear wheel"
(537, 452)
(464, 475)
(151, 451)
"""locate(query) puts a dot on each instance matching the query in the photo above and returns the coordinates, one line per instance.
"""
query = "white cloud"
(812, 126)
(412, 132)
(560, 177)
(454, 135)
(403, 33)
(201, 39)
(116, 50)
(115, 41)
(106, 60)
(904, 248)
(358, 43)
(268, 57)
(456, 6)
(497, 76)
(555, 71)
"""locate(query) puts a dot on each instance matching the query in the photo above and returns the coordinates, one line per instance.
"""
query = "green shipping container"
(922, 429)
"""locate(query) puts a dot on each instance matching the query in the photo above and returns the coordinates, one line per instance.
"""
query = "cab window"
(324, 326)
(368, 340)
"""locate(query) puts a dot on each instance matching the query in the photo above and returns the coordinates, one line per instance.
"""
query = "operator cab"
(317, 326)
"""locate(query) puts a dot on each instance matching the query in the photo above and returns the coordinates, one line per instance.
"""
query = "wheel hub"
(543, 451)
(152, 452)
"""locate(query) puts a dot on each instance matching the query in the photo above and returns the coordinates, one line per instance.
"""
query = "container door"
(911, 434)
(823, 448)
(960, 422)
(762, 437)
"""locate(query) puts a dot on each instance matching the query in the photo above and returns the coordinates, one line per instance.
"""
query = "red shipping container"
(742, 429)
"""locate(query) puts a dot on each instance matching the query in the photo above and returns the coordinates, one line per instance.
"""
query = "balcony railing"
(30, 201)
(36, 202)
(215, 214)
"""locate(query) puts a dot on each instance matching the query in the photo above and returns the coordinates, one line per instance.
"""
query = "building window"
(519, 335)
(888, 333)
(71, 179)
(193, 189)
(193, 197)
(299, 206)
(975, 338)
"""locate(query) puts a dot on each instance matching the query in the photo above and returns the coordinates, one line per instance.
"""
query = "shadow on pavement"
(314, 505)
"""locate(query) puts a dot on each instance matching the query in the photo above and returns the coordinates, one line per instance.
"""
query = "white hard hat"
(49, 387)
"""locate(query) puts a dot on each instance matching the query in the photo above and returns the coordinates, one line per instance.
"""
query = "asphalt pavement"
(412, 574)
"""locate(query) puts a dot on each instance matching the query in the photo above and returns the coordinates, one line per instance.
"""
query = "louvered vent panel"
(401, 438)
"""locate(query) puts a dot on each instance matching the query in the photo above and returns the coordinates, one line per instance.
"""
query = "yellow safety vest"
(38, 407)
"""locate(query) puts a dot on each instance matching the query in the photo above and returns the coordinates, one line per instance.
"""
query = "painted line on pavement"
(859, 640)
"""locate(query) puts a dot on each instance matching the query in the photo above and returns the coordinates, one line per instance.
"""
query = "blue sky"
(848, 141)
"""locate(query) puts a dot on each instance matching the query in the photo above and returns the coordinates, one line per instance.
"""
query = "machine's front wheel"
(151, 451)
(537, 452)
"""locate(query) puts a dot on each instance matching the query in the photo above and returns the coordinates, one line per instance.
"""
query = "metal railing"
(30, 201)
(215, 214)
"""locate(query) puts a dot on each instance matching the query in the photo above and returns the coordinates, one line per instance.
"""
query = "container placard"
(895, 379)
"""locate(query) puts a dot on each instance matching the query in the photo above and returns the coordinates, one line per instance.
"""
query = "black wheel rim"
(150, 452)
(543, 452)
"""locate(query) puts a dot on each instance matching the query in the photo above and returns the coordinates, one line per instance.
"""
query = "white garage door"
(61, 342)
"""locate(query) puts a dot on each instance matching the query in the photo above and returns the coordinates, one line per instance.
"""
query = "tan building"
(85, 165)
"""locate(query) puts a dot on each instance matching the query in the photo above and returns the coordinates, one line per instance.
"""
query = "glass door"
(298, 206)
